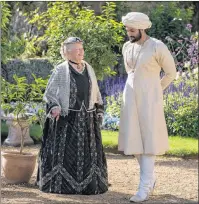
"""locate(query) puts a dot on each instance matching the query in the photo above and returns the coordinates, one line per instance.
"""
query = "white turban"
(136, 20)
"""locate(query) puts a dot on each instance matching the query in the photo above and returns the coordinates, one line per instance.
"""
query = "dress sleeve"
(99, 108)
(166, 61)
(50, 106)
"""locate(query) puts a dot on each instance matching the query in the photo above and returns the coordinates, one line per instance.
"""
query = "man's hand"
(56, 113)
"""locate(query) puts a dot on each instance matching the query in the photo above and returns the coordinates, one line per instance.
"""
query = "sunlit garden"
(31, 35)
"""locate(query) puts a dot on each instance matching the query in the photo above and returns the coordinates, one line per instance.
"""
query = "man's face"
(133, 34)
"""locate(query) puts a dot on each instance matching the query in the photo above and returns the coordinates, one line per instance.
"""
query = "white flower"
(187, 64)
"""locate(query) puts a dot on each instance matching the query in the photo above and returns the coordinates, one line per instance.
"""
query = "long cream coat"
(142, 123)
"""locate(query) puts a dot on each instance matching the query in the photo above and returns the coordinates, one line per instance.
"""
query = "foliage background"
(37, 50)
(101, 34)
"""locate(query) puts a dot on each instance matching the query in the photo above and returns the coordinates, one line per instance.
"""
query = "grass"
(179, 146)
(183, 146)
(109, 139)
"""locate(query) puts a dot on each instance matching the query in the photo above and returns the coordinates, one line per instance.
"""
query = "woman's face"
(76, 52)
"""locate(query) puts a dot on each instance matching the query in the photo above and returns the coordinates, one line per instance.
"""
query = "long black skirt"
(71, 159)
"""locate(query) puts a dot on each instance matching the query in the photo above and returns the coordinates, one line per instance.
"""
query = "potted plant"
(16, 99)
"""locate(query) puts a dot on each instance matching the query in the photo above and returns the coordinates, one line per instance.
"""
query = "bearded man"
(143, 132)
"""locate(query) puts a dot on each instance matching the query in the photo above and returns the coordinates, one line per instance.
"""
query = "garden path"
(177, 183)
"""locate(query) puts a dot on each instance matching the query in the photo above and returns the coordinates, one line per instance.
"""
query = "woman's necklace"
(80, 66)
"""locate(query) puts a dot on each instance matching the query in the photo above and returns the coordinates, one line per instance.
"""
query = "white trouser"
(147, 176)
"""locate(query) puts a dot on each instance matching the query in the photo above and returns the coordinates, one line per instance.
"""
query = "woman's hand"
(100, 117)
(56, 113)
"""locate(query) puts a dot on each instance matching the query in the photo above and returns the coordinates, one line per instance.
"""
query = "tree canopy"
(102, 34)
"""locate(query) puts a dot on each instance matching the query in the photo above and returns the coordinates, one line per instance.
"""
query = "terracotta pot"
(18, 168)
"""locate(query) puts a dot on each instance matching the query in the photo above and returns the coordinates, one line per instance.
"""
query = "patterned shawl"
(58, 88)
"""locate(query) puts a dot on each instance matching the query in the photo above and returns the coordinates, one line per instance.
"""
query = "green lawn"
(109, 138)
(179, 146)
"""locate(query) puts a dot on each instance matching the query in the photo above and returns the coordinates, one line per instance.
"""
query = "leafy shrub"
(113, 105)
(101, 34)
(110, 122)
(112, 115)
(181, 107)
(186, 118)
(11, 46)
(169, 20)
(39, 67)
(112, 90)
(185, 50)
(18, 97)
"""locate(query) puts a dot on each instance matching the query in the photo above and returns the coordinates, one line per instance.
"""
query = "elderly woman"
(71, 159)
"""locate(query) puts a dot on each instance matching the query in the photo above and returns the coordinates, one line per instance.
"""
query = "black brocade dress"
(71, 159)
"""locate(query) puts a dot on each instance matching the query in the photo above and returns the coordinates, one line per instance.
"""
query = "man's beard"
(135, 39)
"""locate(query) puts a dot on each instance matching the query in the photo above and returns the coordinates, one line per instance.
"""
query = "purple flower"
(112, 86)
(189, 26)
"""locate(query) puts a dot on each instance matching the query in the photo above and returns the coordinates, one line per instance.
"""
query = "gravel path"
(177, 183)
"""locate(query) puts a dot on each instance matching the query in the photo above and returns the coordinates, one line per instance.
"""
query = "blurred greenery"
(40, 67)
(114, 105)
(169, 20)
(19, 96)
(181, 107)
(102, 34)
(11, 46)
